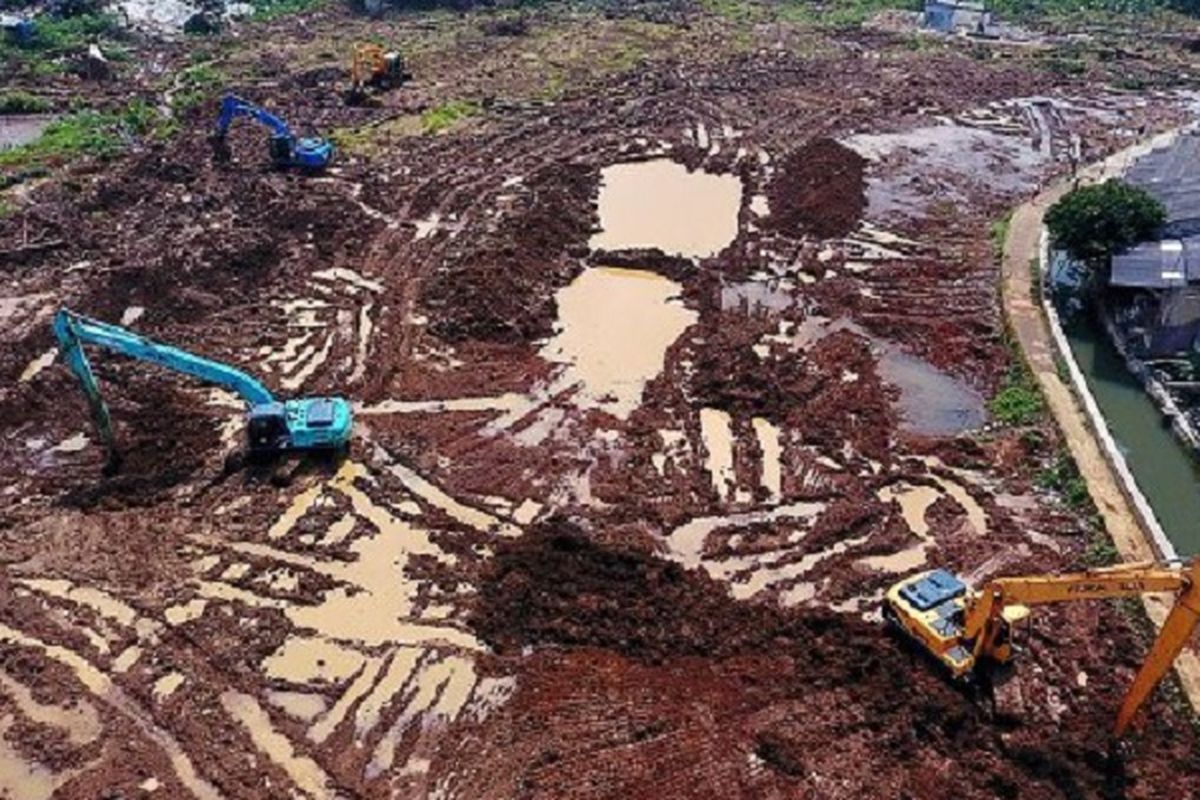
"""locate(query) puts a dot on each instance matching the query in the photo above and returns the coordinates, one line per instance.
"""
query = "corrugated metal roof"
(949, 16)
(1178, 323)
(1172, 174)
(1158, 265)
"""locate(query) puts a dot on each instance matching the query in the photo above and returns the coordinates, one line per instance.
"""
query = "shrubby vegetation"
(1093, 222)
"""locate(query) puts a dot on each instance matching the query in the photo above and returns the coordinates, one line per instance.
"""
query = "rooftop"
(1172, 174)
(1158, 264)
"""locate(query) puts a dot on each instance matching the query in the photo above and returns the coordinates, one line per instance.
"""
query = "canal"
(1162, 467)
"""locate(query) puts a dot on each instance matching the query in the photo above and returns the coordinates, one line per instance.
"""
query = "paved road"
(1031, 329)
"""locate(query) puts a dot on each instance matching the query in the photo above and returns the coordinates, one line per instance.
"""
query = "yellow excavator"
(371, 65)
(964, 629)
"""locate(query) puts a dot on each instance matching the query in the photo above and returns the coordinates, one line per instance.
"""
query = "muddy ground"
(622, 498)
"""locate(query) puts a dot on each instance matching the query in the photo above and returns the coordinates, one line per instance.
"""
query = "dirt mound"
(502, 290)
(686, 685)
(555, 586)
(821, 189)
(831, 393)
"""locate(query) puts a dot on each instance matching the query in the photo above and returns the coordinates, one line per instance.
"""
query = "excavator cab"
(311, 423)
(929, 608)
(266, 428)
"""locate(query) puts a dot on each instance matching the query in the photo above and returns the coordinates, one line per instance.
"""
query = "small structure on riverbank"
(1168, 267)
(1172, 175)
(953, 16)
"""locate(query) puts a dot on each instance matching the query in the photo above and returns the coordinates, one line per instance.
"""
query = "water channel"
(1161, 465)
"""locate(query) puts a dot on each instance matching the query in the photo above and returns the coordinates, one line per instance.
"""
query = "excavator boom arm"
(233, 107)
(1174, 635)
(1126, 580)
(73, 331)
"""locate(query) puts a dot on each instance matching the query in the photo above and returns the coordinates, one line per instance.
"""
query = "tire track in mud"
(271, 640)
(424, 683)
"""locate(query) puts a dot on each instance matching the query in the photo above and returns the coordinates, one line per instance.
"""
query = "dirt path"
(1031, 329)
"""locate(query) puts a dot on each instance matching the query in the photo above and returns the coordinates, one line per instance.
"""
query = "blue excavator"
(273, 427)
(287, 151)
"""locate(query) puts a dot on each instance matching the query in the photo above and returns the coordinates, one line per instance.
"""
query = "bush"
(18, 102)
(86, 132)
(1093, 222)
(1019, 401)
(1063, 477)
(80, 133)
(1017, 405)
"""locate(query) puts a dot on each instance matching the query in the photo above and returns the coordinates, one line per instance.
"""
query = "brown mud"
(510, 588)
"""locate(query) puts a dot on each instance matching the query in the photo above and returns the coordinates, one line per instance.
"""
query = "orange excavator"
(371, 65)
(964, 629)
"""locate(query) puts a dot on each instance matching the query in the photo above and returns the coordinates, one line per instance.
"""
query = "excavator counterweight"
(272, 426)
(964, 629)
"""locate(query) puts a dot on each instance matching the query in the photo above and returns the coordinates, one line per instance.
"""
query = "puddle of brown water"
(304, 706)
(615, 326)
(686, 543)
(772, 452)
(716, 428)
(442, 690)
(303, 771)
(915, 501)
(21, 779)
(660, 204)
(38, 364)
(304, 659)
(165, 686)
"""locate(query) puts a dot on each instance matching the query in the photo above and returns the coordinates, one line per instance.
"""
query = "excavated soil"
(819, 705)
(821, 189)
(516, 584)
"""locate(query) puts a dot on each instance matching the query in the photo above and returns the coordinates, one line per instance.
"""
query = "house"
(1171, 174)
(952, 16)
(1161, 264)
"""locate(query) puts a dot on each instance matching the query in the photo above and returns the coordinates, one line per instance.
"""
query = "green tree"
(1093, 222)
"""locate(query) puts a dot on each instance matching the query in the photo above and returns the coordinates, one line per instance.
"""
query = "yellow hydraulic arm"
(984, 620)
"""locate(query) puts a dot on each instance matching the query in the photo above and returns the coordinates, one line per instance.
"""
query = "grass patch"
(1019, 401)
(1101, 552)
(93, 133)
(436, 120)
(365, 140)
(1065, 9)
(1063, 476)
(838, 13)
(999, 234)
(1017, 404)
(100, 134)
(56, 38)
(265, 10)
(18, 102)
(195, 85)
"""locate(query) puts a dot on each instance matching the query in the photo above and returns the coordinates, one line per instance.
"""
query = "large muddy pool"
(660, 204)
(614, 328)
